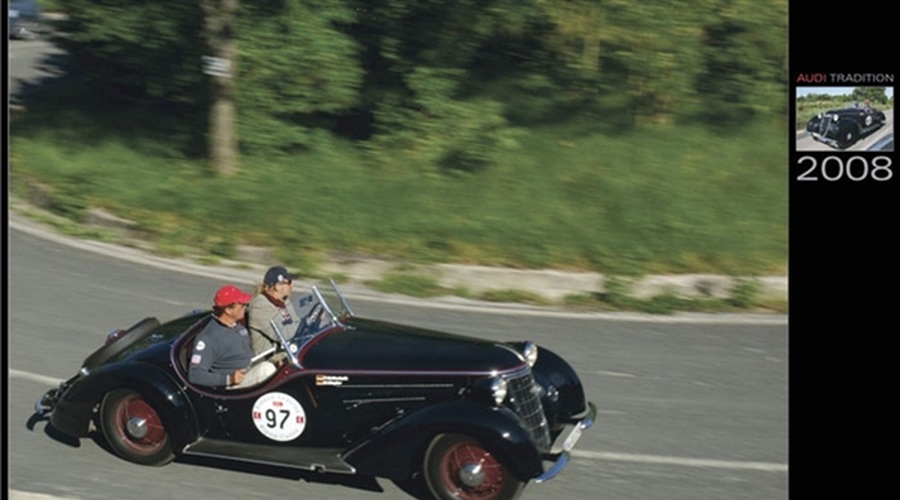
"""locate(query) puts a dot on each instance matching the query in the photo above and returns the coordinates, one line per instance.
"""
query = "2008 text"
(854, 169)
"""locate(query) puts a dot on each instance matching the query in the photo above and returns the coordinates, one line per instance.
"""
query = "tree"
(873, 94)
(744, 58)
(300, 73)
(135, 67)
(219, 28)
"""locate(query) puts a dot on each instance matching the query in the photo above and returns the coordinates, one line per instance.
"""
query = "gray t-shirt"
(219, 351)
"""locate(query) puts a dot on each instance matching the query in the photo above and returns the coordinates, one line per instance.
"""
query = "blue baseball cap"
(278, 274)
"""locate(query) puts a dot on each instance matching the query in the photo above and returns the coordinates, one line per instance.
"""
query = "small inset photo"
(845, 119)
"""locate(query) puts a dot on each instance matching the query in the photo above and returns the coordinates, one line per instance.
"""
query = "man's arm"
(201, 363)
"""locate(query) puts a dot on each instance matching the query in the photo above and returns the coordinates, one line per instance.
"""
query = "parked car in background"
(841, 128)
(25, 21)
(463, 417)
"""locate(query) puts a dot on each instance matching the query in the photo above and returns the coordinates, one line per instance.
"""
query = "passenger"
(273, 303)
(222, 354)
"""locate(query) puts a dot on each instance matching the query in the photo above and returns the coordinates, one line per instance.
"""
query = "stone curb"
(552, 285)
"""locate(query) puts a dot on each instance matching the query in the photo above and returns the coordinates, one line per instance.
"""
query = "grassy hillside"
(655, 200)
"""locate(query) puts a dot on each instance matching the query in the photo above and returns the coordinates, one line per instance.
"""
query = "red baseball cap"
(230, 294)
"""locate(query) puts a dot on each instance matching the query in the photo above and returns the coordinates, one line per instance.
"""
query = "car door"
(274, 414)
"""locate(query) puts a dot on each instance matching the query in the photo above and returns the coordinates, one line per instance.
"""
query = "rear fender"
(397, 450)
(75, 408)
(120, 341)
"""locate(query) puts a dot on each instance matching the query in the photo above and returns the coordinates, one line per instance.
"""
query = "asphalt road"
(687, 411)
(31, 62)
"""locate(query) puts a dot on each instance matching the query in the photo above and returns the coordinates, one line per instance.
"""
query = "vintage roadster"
(465, 417)
(841, 128)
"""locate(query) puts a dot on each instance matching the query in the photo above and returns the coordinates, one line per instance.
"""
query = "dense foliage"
(613, 135)
(440, 82)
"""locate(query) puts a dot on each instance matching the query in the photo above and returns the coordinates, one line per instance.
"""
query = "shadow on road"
(414, 487)
(356, 482)
(49, 72)
(51, 431)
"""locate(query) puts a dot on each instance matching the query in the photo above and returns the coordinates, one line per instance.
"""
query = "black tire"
(847, 136)
(134, 430)
(136, 332)
(458, 467)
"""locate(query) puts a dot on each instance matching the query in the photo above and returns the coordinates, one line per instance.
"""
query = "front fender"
(397, 450)
(75, 408)
(563, 397)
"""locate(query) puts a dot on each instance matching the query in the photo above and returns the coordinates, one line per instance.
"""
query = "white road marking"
(616, 374)
(683, 461)
(34, 377)
(24, 495)
(591, 455)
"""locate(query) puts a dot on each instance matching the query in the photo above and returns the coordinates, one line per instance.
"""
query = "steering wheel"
(310, 322)
(314, 319)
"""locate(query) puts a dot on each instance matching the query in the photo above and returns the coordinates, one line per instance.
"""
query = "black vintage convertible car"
(841, 128)
(464, 417)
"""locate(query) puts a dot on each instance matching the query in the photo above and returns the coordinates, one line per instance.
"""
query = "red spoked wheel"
(134, 430)
(458, 467)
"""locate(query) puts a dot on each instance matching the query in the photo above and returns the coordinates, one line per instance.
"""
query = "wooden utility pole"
(219, 24)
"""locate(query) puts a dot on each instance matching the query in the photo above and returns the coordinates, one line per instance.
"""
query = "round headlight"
(531, 353)
(834, 118)
(499, 390)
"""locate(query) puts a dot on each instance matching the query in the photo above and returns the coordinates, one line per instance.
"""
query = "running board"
(314, 459)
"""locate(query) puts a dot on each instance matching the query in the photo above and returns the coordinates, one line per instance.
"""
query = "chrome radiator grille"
(525, 400)
(825, 124)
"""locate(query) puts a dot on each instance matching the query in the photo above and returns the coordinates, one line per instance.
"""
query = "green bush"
(408, 284)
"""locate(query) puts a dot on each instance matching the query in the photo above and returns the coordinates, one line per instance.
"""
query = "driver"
(273, 303)
(222, 354)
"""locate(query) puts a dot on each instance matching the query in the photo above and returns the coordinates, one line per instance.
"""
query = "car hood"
(370, 345)
(848, 111)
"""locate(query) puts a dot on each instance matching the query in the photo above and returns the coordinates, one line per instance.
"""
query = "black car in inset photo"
(841, 128)
(462, 417)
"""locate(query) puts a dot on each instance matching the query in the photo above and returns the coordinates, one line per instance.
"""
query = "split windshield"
(322, 308)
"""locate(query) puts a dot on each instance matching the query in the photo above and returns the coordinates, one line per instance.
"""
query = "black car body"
(468, 416)
(841, 128)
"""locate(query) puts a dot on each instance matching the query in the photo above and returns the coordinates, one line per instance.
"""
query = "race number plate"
(279, 416)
